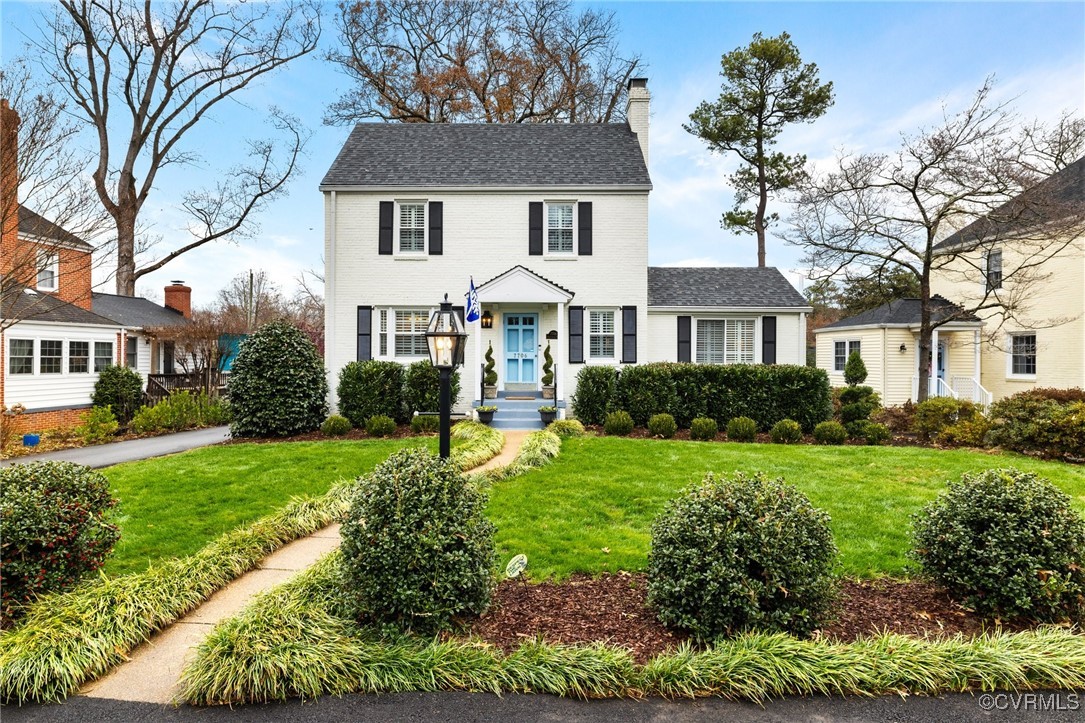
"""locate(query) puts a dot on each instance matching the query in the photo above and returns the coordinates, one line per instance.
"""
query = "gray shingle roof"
(16, 303)
(904, 311)
(723, 286)
(1059, 196)
(135, 312)
(32, 224)
(488, 155)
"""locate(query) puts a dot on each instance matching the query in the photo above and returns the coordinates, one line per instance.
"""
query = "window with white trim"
(994, 269)
(725, 341)
(50, 356)
(20, 356)
(1023, 355)
(48, 271)
(842, 350)
(412, 227)
(131, 352)
(78, 357)
(601, 334)
(103, 355)
(402, 333)
(559, 228)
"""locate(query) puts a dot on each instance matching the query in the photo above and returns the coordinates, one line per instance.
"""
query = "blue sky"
(893, 66)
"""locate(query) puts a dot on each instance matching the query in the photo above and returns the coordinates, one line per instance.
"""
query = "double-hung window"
(601, 335)
(1023, 355)
(559, 228)
(725, 341)
(842, 350)
(131, 352)
(50, 356)
(48, 271)
(402, 332)
(20, 356)
(994, 270)
(412, 227)
(78, 357)
(103, 355)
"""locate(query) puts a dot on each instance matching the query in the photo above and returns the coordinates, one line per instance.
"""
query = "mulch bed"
(612, 609)
(402, 431)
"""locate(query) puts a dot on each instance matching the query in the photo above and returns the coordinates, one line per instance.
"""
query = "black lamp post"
(445, 339)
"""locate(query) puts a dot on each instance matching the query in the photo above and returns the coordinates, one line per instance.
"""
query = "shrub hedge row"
(387, 388)
(765, 393)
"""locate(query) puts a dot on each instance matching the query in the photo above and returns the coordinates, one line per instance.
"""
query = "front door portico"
(521, 351)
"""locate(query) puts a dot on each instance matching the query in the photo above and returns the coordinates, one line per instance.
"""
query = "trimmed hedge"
(594, 394)
(120, 389)
(370, 388)
(422, 387)
(645, 391)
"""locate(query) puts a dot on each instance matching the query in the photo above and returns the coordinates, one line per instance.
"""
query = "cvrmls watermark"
(1031, 701)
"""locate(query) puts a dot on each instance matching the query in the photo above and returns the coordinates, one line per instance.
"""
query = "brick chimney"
(9, 182)
(179, 298)
(637, 110)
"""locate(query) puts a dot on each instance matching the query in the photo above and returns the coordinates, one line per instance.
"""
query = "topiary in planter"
(741, 429)
(277, 384)
(489, 375)
(335, 426)
(786, 431)
(618, 424)
(548, 367)
(830, 433)
(57, 529)
(120, 389)
(743, 553)
(1007, 543)
(703, 428)
(662, 425)
(418, 551)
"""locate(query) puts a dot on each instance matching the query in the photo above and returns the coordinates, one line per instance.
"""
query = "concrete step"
(532, 424)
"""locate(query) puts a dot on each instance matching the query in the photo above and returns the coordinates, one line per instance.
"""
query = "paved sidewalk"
(105, 455)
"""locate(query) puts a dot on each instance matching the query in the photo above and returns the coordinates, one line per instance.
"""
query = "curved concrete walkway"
(106, 455)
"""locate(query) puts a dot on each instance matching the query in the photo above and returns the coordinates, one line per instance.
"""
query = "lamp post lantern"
(445, 339)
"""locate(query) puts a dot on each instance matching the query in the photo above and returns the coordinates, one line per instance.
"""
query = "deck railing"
(160, 386)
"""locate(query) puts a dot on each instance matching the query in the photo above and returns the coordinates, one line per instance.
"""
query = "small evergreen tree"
(854, 370)
(548, 367)
(490, 375)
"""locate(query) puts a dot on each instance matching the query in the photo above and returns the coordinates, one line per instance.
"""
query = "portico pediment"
(522, 285)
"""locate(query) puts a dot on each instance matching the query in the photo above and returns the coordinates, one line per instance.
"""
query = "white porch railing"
(936, 387)
(970, 388)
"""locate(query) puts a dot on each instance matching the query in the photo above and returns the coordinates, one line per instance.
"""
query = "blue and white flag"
(474, 310)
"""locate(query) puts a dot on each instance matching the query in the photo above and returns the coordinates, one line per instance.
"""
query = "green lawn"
(591, 509)
(174, 505)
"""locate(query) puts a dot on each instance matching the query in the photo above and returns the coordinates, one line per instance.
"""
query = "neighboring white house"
(551, 222)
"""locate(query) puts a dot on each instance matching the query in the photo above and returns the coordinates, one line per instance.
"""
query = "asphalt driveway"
(105, 455)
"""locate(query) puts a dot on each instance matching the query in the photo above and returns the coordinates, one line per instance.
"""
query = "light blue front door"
(521, 348)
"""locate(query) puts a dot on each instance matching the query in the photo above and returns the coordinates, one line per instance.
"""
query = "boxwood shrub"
(703, 429)
(662, 426)
(277, 384)
(380, 426)
(369, 388)
(418, 551)
(335, 426)
(618, 424)
(741, 429)
(786, 431)
(422, 388)
(120, 389)
(830, 433)
(747, 552)
(425, 424)
(594, 393)
(935, 414)
(57, 528)
(1005, 542)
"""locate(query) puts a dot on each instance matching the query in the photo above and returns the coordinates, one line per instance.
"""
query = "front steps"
(518, 413)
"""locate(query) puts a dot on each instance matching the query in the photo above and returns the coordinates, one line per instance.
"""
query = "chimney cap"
(176, 282)
(638, 83)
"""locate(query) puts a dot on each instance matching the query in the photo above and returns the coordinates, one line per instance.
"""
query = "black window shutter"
(535, 228)
(768, 339)
(629, 335)
(436, 228)
(384, 240)
(583, 237)
(576, 334)
(365, 333)
(685, 339)
(461, 312)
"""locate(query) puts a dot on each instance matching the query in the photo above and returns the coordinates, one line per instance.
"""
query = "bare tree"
(942, 202)
(494, 61)
(249, 301)
(143, 75)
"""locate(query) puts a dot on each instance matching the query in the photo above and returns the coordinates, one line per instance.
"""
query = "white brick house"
(551, 221)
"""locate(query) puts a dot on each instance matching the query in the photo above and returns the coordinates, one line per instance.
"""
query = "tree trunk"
(923, 387)
(126, 257)
(763, 195)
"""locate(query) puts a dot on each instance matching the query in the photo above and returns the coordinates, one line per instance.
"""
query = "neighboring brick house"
(551, 221)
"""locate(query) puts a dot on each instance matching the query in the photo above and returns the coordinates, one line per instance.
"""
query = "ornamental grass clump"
(418, 551)
(566, 428)
(739, 554)
(1005, 543)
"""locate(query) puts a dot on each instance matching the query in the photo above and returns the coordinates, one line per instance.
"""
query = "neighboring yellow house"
(1036, 268)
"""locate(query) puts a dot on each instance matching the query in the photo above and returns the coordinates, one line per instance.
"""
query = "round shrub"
(741, 429)
(335, 426)
(566, 428)
(1005, 542)
(425, 424)
(57, 528)
(662, 425)
(380, 426)
(418, 551)
(786, 431)
(101, 425)
(594, 391)
(733, 554)
(935, 414)
(1046, 422)
(277, 384)
(618, 424)
(120, 389)
(422, 390)
(967, 433)
(703, 428)
(876, 433)
(830, 433)
(369, 388)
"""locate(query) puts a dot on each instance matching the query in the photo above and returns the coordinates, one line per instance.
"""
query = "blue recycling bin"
(31, 440)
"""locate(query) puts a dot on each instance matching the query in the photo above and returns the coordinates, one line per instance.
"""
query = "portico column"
(559, 358)
(476, 373)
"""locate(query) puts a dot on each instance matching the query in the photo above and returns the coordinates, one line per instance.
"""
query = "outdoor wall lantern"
(445, 339)
(903, 348)
(552, 334)
(487, 320)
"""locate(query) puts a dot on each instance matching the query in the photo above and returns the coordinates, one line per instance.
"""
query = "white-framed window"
(78, 357)
(131, 352)
(993, 270)
(402, 333)
(103, 355)
(725, 341)
(20, 356)
(601, 344)
(50, 356)
(560, 233)
(1021, 361)
(411, 231)
(48, 271)
(842, 350)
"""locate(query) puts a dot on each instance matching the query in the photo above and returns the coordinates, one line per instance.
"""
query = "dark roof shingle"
(17, 303)
(721, 286)
(489, 155)
(135, 312)
(904, 312)
(33, 224)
